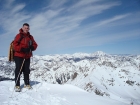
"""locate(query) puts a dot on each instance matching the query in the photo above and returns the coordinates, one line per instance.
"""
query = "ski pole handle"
(30, 43)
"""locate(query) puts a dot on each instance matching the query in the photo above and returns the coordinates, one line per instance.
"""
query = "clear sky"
(71, 26)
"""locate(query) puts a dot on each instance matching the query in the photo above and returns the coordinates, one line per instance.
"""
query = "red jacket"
(23, 44)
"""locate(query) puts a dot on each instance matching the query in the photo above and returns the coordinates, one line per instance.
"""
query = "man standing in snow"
(24, 44)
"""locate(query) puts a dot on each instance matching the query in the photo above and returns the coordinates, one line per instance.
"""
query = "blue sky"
(71, 26)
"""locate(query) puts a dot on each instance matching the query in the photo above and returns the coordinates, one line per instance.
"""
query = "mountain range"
(116, 77)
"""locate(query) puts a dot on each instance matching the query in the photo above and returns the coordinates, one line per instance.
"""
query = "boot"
(28, 86)
(17, 89)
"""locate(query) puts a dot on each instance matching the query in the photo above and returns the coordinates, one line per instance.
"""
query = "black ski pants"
(25, 69)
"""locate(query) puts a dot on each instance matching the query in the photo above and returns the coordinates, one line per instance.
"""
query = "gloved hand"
(25, 50)
(30, 44)
(32, 48)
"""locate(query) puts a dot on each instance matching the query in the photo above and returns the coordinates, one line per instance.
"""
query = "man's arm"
(16, 44)
(34, 44)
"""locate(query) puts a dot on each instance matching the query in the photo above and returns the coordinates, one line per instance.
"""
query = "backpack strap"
(30, 36)
(21, 37)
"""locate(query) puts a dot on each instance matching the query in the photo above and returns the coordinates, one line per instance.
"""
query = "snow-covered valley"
(78, 79)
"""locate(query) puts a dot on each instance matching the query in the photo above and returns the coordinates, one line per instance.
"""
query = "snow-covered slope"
(115, 77)
(51, 94)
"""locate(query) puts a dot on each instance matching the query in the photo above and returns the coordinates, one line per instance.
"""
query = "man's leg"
(26, 79)
(18, 63)
(26, 71)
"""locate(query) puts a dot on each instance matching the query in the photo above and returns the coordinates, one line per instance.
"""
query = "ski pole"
(34, 75)
(18, 76)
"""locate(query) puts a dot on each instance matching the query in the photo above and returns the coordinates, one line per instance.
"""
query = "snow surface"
(51, 94)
